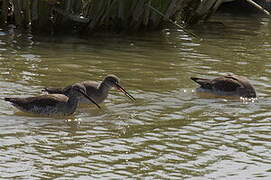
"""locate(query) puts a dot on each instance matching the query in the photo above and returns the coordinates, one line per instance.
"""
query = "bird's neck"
(104, 87)
(73, 100)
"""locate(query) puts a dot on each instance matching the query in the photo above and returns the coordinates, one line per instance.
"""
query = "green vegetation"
(92, 15)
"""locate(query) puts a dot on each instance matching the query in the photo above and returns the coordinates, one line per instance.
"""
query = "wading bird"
(229, 85)
(97, 91)
(52, 104)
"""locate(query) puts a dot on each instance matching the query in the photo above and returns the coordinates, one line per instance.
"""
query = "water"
(169, 133)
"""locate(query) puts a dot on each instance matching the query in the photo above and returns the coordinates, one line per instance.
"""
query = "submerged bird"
(52, 104)
(97, 91)
(229, 85)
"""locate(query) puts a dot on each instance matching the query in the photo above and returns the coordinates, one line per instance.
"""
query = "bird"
(52, 104)
(97, 91)
(228, 85)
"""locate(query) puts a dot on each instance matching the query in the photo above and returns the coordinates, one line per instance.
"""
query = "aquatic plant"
(91, 15)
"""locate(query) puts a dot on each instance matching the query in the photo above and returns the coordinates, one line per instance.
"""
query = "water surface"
(170, 132)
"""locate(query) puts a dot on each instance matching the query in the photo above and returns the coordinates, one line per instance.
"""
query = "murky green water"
(168, 133)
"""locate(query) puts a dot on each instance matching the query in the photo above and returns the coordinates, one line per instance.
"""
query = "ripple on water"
(168, 133)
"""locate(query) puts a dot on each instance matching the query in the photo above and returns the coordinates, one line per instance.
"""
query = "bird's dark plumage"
(52, 104)
(231, 85)
(95, 90)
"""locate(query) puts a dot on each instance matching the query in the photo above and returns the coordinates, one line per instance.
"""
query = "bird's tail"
(204, 83)
(8, 99)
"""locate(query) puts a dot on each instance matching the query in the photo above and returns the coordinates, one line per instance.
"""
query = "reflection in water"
(169, 132)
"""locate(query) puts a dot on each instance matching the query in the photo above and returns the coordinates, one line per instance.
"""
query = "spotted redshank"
(229, 85)
(52, 104)
(97, 91)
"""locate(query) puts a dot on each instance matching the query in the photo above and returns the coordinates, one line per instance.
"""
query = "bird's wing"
(44, 100)
(57, 90)
(226, 83)
(89, 84)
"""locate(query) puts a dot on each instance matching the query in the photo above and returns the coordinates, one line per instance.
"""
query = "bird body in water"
(229, 85)
(52, 104)
(97, 91)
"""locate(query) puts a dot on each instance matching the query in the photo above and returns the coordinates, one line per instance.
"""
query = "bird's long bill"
(125, 92)
(89, 98)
